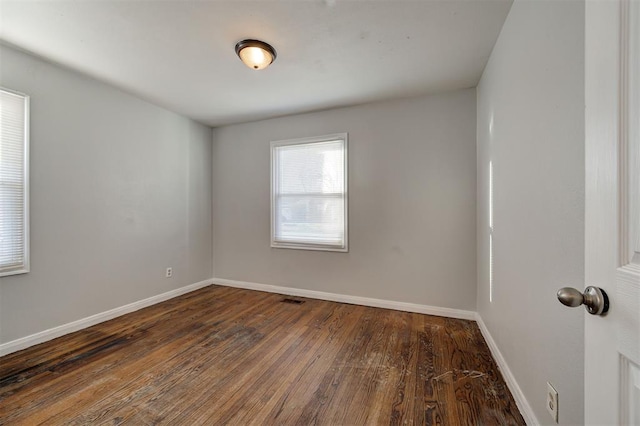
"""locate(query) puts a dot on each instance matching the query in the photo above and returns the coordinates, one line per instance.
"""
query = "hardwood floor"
(230, 356)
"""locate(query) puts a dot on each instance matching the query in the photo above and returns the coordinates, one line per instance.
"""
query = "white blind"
(309, 194)
(13, 183)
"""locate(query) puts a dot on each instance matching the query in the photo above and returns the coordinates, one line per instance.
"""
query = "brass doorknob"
(594, 299)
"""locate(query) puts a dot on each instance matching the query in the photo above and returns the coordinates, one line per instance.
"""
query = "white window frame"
(304, 245)
(25, 266)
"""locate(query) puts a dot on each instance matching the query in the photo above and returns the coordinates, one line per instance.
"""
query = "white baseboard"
(61, 330)
(522, 403)
(354, 300)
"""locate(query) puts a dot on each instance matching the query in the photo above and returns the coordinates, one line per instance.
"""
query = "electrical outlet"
(169, 273)
(552, 401)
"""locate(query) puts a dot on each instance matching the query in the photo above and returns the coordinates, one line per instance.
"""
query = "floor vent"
(292, 301)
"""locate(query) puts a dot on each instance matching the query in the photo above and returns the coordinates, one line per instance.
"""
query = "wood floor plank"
(231, 356)
(186, 361)
(138, 353)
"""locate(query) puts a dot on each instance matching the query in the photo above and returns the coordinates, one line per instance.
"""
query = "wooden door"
(612, 233)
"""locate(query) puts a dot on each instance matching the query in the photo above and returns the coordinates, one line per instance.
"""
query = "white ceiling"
(180, 54)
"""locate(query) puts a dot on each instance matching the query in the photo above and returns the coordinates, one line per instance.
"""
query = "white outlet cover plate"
(552, 401)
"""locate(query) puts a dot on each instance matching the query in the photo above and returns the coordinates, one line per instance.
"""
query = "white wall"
(120, 189)
(412, 174)
(531, 125)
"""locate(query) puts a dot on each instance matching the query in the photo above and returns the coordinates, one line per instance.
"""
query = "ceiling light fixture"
(255, 54)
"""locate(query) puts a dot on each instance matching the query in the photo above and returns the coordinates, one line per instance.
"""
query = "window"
(14, 183)
(309, 193)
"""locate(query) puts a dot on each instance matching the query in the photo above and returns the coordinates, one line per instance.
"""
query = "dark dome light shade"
(255, 54)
